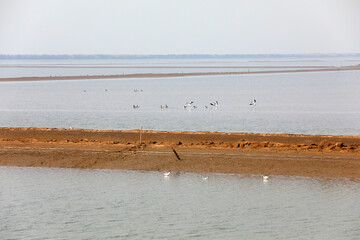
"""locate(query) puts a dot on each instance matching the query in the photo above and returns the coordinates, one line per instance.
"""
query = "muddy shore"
(162, 75)
(244, 153)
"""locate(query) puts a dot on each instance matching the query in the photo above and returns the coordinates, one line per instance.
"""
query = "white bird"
(265, 178)
(166, 174)
(253, 102)
(214, 104)
(205, 178)
(188, 104)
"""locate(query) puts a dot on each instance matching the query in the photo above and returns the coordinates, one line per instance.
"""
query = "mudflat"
(208, 152)
(161, 75)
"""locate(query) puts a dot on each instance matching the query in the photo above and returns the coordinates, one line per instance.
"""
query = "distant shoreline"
(149, 66)
(167, 56)
(240, 153)
(163, 75)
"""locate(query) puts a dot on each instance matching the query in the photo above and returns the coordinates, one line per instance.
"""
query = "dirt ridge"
(206, 152)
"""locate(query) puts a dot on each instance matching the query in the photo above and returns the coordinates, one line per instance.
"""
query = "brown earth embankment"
(244, 153)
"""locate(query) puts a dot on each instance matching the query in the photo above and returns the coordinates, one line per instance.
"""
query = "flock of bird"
(167, 175)
(189, 105)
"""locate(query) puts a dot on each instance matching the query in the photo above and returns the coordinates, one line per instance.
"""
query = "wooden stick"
(176, 154)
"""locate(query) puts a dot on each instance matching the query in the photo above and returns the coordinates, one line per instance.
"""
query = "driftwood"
(176, 154)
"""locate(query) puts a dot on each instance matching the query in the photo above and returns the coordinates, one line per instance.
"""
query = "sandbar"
(203, 152)
(168, 75)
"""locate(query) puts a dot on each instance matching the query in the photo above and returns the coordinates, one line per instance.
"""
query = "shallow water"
(306, 103)
(49, 203)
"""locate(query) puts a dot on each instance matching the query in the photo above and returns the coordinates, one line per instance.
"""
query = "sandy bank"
(270, 154)
(161, 75)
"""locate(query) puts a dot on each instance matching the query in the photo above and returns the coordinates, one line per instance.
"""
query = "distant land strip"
(161, 75)
(169, 56)
(177, 67)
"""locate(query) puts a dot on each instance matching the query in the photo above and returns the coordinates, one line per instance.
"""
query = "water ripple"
(40, 203)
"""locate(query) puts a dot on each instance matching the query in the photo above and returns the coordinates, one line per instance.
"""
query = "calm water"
(308, 103)
(40, 203)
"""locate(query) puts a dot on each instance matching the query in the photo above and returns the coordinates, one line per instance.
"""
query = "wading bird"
(253, 102)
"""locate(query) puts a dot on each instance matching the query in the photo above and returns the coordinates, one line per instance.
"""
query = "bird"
(205, 178)
(166, 174)
(214, 104)
(253, 102)
(135, 106)
(265, 178)
(189, 103)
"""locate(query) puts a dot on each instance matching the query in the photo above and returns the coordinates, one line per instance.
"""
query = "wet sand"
(161, 75)
(243, 153)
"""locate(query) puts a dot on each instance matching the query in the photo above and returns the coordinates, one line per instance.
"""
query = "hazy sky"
(179, 26)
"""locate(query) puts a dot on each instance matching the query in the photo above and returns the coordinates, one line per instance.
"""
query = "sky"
(179, 26)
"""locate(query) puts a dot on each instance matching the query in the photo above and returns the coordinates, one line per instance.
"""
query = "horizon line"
(169, 56)
(166, 54)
